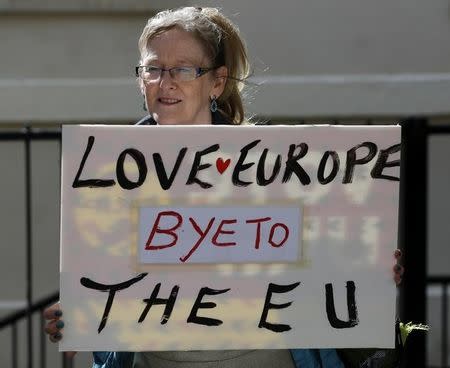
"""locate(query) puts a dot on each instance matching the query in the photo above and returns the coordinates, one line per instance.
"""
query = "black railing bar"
(436, 129)
(67, 362)
(35, 135)
(438, 279)
(43, 339)
(413, 230)
(16, 316)
(444, 325)
(14, 345)
(29, 252)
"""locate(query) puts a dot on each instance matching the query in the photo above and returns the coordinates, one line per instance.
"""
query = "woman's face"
(187, 102)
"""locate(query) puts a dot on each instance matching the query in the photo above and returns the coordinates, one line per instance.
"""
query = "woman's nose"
(166, 80)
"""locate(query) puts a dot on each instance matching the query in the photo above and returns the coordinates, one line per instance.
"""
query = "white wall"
(74, 62)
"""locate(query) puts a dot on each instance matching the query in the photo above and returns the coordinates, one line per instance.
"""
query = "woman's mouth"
(168, 101)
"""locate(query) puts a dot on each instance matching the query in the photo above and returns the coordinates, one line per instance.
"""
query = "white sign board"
(228, 237)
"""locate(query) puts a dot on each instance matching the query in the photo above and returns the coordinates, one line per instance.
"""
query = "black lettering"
(292, 166)
(164, 181)
(197, 166)
(323, 163)
(154, 300)
(88, 283)
(91, 183)
(351, 307)
(352, 161)
(382, 162)
(193, 318)
(274, 288)
(240, 166)
(139, 158)
(260, 177)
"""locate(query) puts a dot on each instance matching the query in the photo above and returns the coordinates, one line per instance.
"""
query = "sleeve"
(316, 358)
(112, 359)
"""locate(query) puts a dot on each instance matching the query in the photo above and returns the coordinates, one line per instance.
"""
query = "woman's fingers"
(55, 324)
(53, 312)
(398, 268)
(56, 337)
(54, 330)
(398, 275)
(53, 327)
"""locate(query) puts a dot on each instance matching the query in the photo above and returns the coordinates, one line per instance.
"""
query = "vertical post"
(67, 362)
(413, 232)
(444, 324)
(29, 269)
(43, 340)
(14, 345)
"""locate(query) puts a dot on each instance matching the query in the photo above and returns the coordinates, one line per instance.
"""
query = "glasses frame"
(199, 71)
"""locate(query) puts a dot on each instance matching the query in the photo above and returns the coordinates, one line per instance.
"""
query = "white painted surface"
(350, 233)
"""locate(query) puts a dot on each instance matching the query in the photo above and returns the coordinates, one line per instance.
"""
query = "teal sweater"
(303, 358)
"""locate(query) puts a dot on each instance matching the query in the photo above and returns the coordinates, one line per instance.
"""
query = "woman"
(191, 71)
(192, 62)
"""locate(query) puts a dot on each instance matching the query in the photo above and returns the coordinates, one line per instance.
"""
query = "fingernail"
(57, 336)
(57, 313)
(59, 325)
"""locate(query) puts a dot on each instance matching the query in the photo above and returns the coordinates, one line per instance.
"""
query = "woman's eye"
(183, 70)
(152, 69)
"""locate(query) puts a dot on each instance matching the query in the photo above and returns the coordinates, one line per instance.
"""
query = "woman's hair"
(222, 43)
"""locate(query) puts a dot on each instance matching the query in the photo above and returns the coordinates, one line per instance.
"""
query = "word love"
(194, 317)
(281, 167)
(219, 234)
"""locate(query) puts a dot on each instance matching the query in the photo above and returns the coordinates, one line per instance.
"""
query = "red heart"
(222, 165)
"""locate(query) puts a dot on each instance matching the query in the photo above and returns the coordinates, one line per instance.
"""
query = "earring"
(144, 105)
(213, 106)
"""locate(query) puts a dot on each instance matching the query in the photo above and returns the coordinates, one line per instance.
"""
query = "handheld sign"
(228, 237)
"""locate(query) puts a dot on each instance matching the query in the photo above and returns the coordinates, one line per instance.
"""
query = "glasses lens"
(183, 74)
(149, 73)
(179, 74)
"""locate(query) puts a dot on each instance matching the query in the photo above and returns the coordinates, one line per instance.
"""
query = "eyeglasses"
(152, 73)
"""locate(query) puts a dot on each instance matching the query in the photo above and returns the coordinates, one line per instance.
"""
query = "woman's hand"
(55, 325)
(398, 269)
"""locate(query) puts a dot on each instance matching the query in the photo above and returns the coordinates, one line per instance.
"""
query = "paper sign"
(228, 237)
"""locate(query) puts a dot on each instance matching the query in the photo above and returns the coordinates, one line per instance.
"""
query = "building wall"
(72, 62)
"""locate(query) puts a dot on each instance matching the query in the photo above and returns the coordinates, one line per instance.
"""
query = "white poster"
(228, 237)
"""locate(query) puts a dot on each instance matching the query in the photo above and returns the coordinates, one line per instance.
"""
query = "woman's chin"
(167, 120)
(175, 121)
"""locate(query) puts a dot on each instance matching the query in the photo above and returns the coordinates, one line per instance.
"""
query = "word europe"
(360, 154)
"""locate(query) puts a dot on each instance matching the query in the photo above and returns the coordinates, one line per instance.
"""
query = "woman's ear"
(220, 79)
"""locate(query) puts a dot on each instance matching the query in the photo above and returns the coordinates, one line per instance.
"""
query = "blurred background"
(314, 61)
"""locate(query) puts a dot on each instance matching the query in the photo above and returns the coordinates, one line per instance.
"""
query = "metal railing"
(27, 313)
(412, 230)
(443, 282)
(26, 135)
